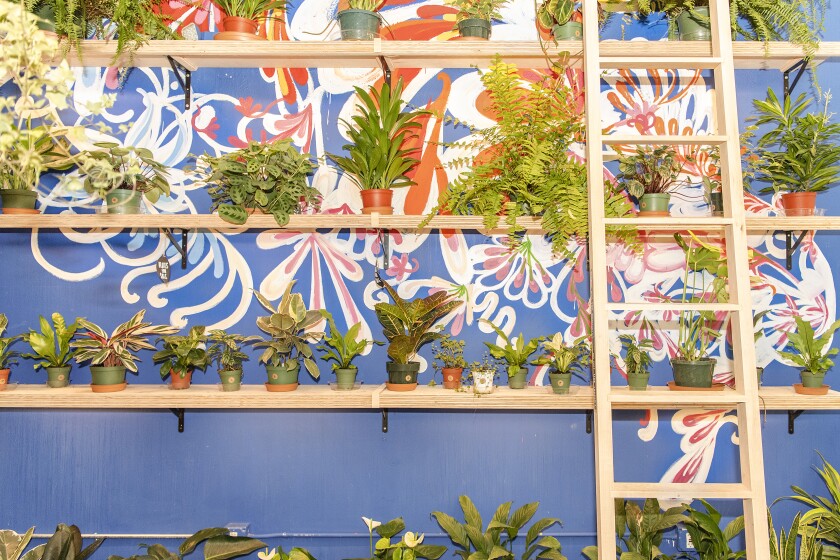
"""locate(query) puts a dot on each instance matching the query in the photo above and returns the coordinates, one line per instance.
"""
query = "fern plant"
(525, 165)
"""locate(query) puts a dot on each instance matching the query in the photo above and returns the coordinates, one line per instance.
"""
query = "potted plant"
(7, 356)
(288, 327)
(515, 353)
(641, 529)
(378, 159)
(226, 350)
(809, 353)
(122, 176)
(344, 348)
(407, 326)
(564, 359)
(360, 21)
(52, 346)
(709, 541)
(409, 547)
(483, 374)
(636, 361)
(241, 18)
(475, 16)
(448, 356)
(269, 178)
(649, 176)
(798, 154)
(111, 355)
(563, 18)
(181, 355)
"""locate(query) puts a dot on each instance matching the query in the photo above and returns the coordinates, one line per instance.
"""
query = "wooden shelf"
(213, 221)
(663, 398)
(531, 398)
(784, 398)
(672, 223)
(798, 223)
(437, 54)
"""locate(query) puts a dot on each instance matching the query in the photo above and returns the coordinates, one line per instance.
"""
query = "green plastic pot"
(19, 198)
(58, 376)
(519, 380)
(560, 382)
(231, 379)
(475, 28)
(812, 380)
(123, 201)
(284, 374)
(358, 25)
(657, 202)
(692, 28)
(694, 373)
(759, 371)
(716, 203)
(345, 378)
(638, 382)
(402, 374)
(569, 31)
(107, 375)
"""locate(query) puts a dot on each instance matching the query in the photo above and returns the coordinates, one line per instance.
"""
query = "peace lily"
(411, 540)
(266, 554)
(371, 524)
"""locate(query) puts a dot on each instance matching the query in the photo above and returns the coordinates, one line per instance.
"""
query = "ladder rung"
(663, 398)
(700, 140)
(664, 62)
(683, 223)
(687, 491)
(671, 306)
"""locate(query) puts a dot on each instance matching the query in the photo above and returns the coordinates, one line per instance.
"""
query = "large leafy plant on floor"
(218, 545)
(709, 540)
(525, 165)
(823, 517)
(497, 539)
(64, 544)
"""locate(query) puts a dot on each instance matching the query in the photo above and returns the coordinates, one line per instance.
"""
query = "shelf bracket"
(588, 421)
(792, 416)
(184, 77)
(179, 412)
(792, 243)
(386, 70)
(180, 247)
(384, 420)
(789, 86)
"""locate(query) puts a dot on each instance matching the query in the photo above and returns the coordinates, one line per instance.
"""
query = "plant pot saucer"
(653, 214)
(401, 386)
(21, 211)
(237, 36)
(108, 388)
(800, 390)
(281, 388)
(384, 210)
(715, 387)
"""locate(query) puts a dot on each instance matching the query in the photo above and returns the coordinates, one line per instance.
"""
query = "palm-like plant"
(117, 348)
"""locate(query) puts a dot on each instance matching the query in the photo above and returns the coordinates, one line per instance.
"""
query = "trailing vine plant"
(525, 165)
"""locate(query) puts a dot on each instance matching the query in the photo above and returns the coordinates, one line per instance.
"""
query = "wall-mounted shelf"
(436, 54)
(798, 223)
(784, 398)
(580, 397)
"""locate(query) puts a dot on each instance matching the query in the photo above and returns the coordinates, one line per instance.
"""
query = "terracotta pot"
(377, 198)
(180, 380)
(4, 378)
(799, 203)
(238, 29)
(451, 377)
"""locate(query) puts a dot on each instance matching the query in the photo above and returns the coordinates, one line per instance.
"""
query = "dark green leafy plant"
(636, 358)
(477, 9)
(800, 153)
(822, 520)
(515, 352)
(226, 349)
(651, 170)
(343, 348)
(710, 542)
(12, 544)
(64, 544)
(128, 168)
(565, 357)
(52, 344)
(251, 9)
(288, 325)
(525, 165)
(377, 157)
(640, 530)
(496, 541)
(409, 547)
(408, 325)
(7, 356)
(183, 353)
(267, 177)
(809, 350)
(218, 545)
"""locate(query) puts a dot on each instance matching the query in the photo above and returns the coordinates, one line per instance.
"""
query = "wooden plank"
(663, 398)
(530, 398)
(785, 398)
(683, 223)
(678, 491)
(660, 63)
(798, 223)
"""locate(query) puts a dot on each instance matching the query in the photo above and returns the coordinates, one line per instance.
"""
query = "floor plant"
(408, 547)
(64, 544)
(52, 346)
(710, 542)
(218, 545)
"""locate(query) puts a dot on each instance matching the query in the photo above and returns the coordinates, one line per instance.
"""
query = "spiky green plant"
(823, 517)
(783, 546)
(252, 9)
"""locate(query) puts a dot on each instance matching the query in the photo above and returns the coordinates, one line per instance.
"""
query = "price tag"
(163, 269)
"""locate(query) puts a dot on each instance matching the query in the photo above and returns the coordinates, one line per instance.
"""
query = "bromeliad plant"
(270, 178)
(116, 349)
(515, 352)
(182, 354)
(288, 326)
(7, 356)
(497, 540)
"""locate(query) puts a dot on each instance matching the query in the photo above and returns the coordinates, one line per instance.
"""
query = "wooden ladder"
(744, 399)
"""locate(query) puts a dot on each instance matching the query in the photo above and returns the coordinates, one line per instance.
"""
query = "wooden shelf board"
(530, 398)
(197, 396)
(663, 398)
(673, 223)
(784, 398)
(687, 491)
(436, 54)
(798, 223)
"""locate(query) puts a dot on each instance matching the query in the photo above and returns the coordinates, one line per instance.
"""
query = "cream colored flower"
(371, 524)
(266, 554)
(411, 540)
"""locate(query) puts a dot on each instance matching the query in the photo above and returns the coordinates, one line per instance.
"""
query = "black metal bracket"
(588, 421)
(789, 86)
(184, 79)
(180, 247)
(179, 412)
(386, 70)
(384, 420)
(792, 416)
(792, 243)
